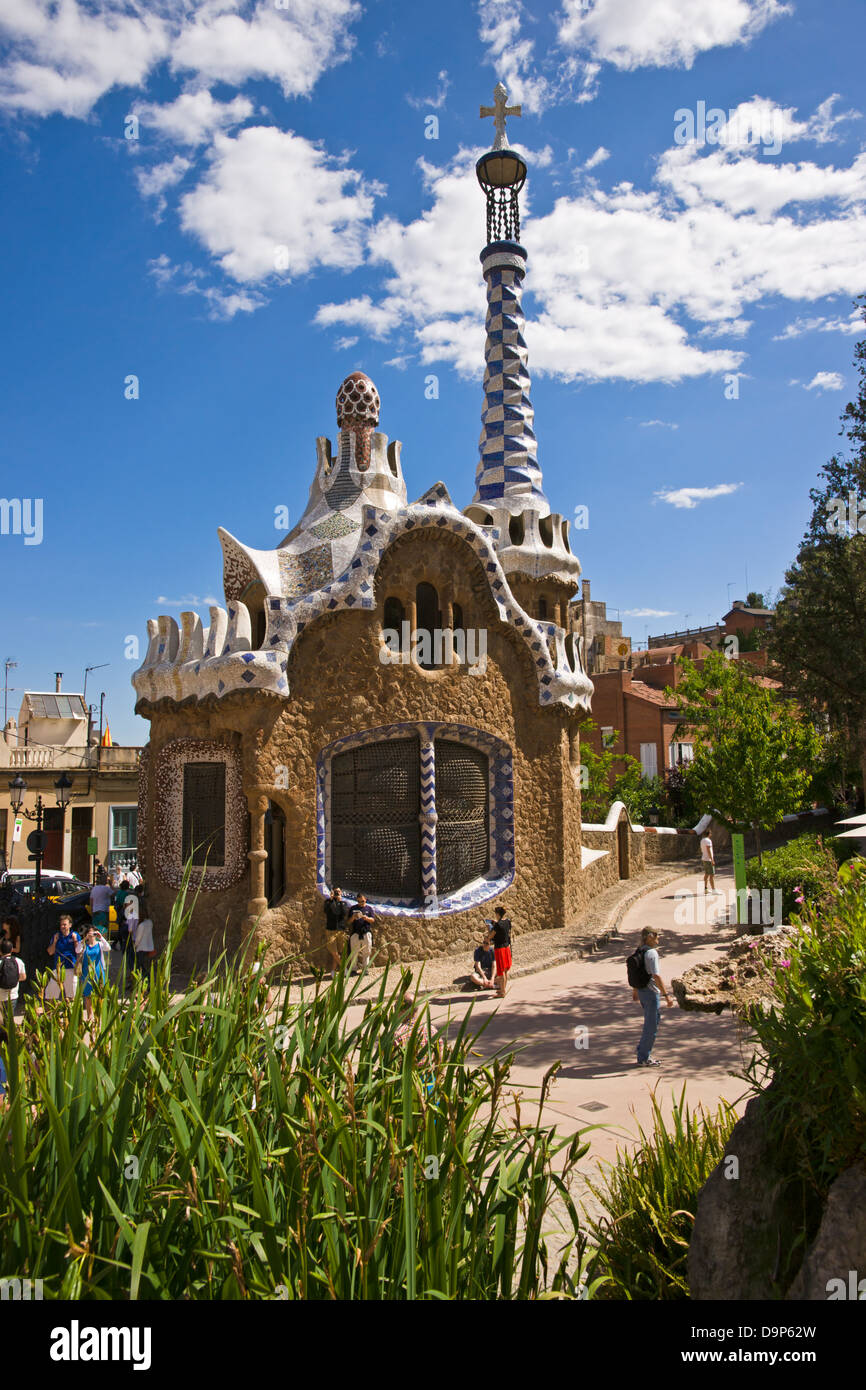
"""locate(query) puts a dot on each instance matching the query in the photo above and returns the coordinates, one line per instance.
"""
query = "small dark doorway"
(622, 848)
(82, 820)
(275, 864)
(52, 824)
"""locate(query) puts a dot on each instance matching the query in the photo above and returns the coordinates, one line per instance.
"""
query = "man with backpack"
(647, 987)
(12, 972)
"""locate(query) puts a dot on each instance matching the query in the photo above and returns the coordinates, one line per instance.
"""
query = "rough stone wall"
(339, 686)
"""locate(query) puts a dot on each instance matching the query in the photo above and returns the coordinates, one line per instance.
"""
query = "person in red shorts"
(501, 937)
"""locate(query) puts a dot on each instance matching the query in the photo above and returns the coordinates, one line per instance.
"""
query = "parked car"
(78, 904)
(56, 884)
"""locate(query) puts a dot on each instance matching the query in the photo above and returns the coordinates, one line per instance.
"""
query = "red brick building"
(633, 704)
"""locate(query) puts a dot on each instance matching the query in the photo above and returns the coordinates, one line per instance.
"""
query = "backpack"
(8, 972)
(638, 975)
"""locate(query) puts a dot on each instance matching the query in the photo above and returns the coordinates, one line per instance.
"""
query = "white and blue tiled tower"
(508, 473)
(509, 492)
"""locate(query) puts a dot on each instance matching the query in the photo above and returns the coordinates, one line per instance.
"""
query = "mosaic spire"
(508, 473)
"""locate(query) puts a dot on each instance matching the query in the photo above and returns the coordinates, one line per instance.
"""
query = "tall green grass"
(649, 1200)
(200, 1147)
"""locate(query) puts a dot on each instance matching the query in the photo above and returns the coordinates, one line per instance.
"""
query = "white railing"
(31, 757)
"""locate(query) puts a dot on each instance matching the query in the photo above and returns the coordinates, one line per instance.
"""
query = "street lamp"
(36, 840)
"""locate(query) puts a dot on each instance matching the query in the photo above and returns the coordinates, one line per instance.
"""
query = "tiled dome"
(357, 401)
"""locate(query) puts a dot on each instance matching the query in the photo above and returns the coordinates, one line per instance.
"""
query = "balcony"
(119, 758)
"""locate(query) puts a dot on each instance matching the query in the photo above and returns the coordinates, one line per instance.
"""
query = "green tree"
(818, 642)
(596, 775)
(754, 751)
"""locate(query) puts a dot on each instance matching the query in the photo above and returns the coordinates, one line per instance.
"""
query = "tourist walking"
(647, 989)
(360, 926)
(66, 946)
(92, 962)
(12, 973)
(144, 950)
(501, 937)
(336, 912)
(484, 963)
(708, 860)
(101, 895)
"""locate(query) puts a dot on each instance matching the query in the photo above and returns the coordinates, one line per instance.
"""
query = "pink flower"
(753, 945)
(785, 964)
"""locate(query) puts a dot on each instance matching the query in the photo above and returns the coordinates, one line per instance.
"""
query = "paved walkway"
(600, 1085)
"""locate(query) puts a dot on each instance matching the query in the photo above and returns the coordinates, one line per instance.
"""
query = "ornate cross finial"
(499, 111)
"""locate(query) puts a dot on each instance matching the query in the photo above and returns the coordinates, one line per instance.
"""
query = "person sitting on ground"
(12, 973)
(11, 931)
(360, 927)
(483, 963)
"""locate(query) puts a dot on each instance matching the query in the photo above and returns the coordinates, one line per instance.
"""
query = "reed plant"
(240, 1142)
(649, 1198)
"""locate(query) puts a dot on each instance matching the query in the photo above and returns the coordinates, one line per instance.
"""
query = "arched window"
(375, 826)
(431, 806)
(393, 620)
(428, 620)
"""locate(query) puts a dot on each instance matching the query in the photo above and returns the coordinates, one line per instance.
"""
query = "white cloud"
(649, 612)
(661, 33)
(222, 303)
(399, 363)
(292, 45)
(153, 182)
(512, 55)
(666, 424)
(719, 232)
(273, 201)
(690, 497)
(600, 155)
(193, 117)
(820, 324)
(342, 344)
(190, 601)
(432, 103)
(825, 381)
(63, 57)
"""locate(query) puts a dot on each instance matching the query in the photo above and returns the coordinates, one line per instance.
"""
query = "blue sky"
(688, 292)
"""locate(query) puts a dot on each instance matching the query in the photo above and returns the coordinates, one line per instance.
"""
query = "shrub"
(650, 1198)
(202, 1148)
(811, 1040)
(804, 867)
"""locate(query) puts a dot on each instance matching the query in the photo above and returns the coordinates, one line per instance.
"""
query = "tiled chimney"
(58, 677)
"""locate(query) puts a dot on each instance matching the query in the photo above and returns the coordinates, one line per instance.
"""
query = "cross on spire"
(499, 111)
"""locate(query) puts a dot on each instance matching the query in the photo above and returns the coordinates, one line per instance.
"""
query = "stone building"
(51, 738)
(603, 644)
(390, 700)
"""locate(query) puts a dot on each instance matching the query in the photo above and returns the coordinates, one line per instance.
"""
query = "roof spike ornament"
(501, 173)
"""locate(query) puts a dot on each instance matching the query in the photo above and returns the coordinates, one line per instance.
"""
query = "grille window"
(375, 830)
(204, 814)
(462, 832)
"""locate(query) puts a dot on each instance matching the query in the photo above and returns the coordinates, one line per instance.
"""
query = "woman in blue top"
(92, 965)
